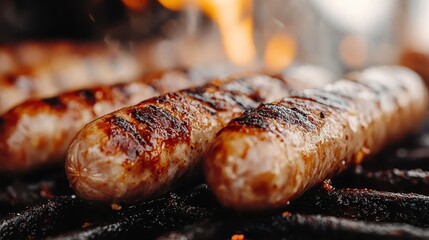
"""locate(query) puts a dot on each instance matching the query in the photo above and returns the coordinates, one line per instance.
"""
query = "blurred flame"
(279, 52)
(234, 19)
(175, 5)
(136, 5)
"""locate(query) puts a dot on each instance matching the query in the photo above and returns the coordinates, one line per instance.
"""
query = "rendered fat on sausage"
(38, 132)
(141, 151)
(274, 153)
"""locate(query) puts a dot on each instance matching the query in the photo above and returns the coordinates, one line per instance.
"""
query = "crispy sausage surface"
(271, 155)
(38, 132)
(144, 150)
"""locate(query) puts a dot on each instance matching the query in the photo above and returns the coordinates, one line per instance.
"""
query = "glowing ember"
(280, 52)
(327, 185)
(286, 214)
(237, 237)
(86, 225)
(235, 22)
(115, 206)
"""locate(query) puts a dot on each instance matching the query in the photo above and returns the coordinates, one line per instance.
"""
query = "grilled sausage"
(34, 55)
(37, 132)
(34, 73)
(145, 150)
(271, 155)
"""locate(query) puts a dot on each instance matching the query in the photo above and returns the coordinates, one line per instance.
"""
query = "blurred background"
(339, 35)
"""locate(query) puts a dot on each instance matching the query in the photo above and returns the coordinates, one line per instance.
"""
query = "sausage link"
(37, 132)
(145, 150)
(34, 55)
(35, 73)
(269, 156)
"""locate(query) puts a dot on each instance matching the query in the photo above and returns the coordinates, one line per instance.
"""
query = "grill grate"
(384, 199)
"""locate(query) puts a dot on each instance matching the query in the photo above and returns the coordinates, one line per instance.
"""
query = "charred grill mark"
(306, 104)
(244, 102)
(253, 120)
(156, 117)
(330, 99)
(374, 86)
(243, 84)
(240, 85)
(151, 130)
(129, 128)
(210, 110)
(55, 102)
(259, 118)
(203, 95)
(221, 99)
(176, 101)
(287, 115)
(179, 103)
(201, 100)
(299, 111)
(88, 96)
(348, 90)
(211, 99)
(176, 122)
(167, 98)
(163, 98)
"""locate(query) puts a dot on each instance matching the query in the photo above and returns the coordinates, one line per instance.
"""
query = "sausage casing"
(271, 155)
(46, 69)
(144, 150)
(37, 132)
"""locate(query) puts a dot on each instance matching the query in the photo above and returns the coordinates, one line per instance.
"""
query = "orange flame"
(136, 5)
(175, 5)
(279, 52)
(235, 22)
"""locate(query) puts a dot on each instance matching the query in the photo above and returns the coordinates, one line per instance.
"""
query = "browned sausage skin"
(141, 151)
(38, 132)
(269, 156)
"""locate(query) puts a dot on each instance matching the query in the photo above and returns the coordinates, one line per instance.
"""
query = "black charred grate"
(387, 198)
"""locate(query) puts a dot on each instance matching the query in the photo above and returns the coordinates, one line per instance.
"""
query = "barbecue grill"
(387, 197)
